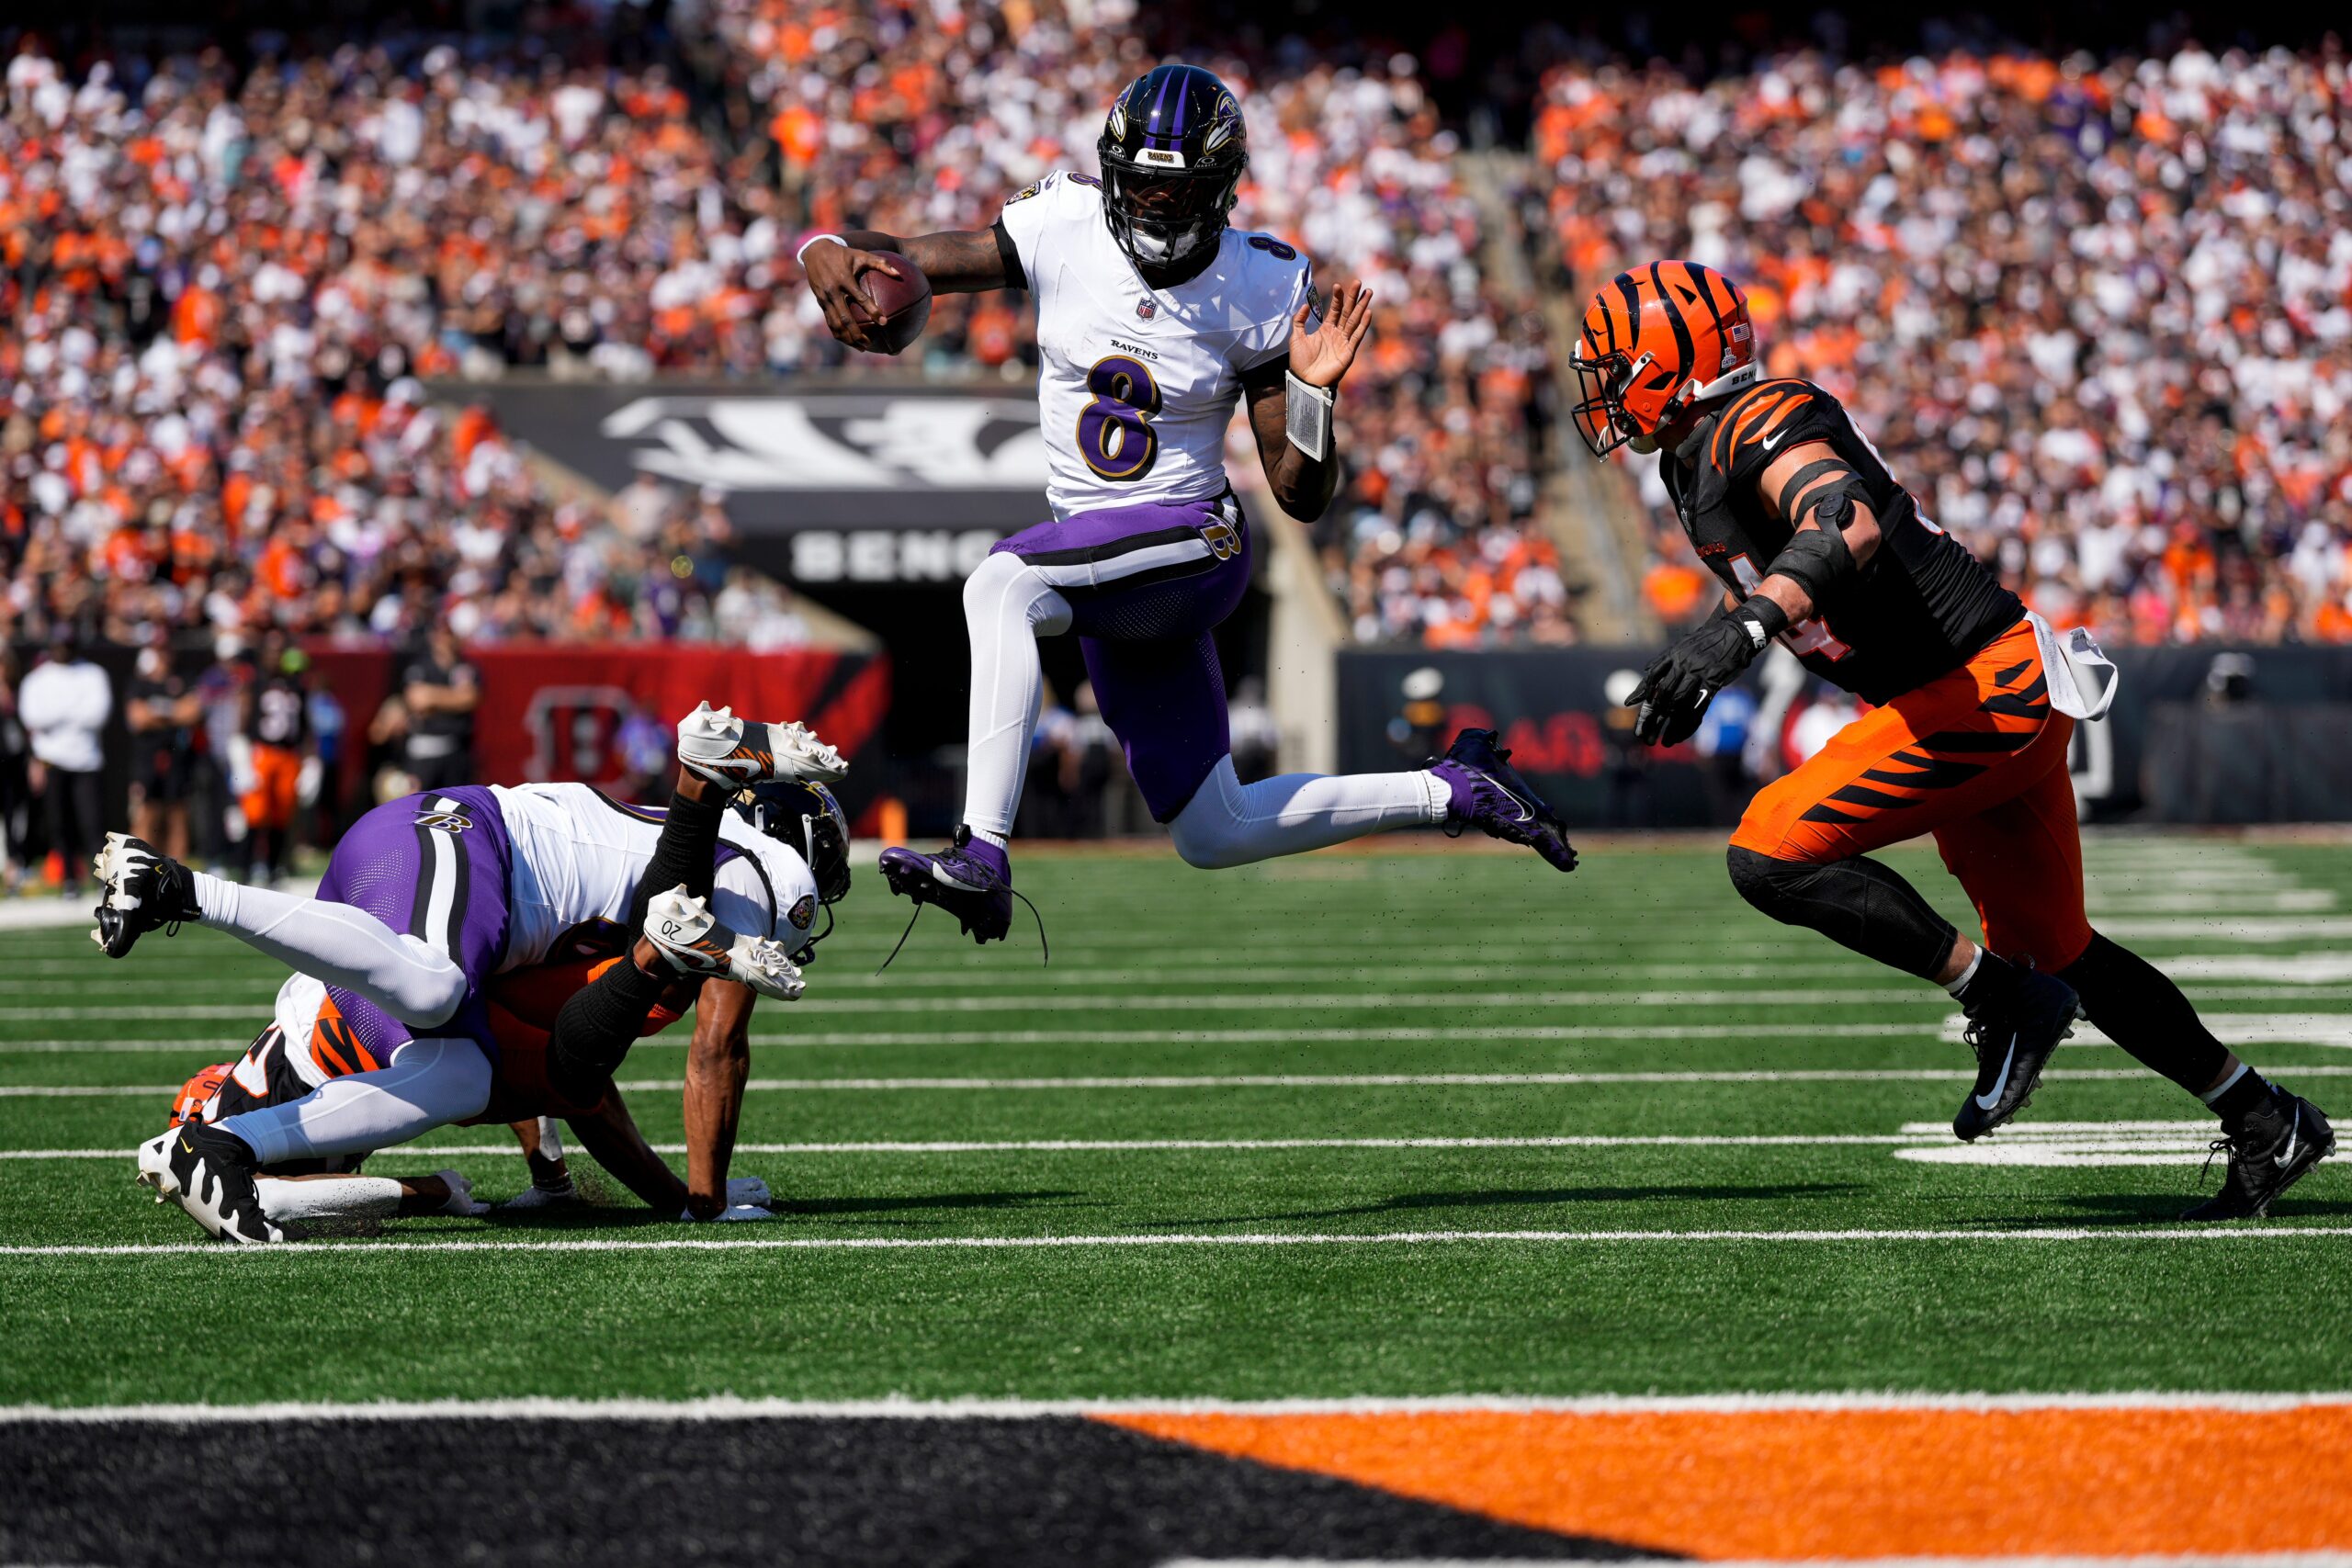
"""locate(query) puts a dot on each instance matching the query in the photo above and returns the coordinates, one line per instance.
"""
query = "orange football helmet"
(1660, 339)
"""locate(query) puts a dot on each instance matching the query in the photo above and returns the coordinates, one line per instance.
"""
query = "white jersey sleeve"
(1279, 281)
(1040, 219)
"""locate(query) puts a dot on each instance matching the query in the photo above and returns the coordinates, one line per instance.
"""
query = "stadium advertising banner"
(565, 713)
(2197, 734)
(845, 484)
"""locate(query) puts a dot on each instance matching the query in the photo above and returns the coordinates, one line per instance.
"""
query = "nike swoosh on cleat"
(2293, 1131)
(1509, 793)
(1988, 1101)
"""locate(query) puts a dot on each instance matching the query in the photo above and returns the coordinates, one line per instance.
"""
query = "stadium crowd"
(222, 288)
(2099, 316)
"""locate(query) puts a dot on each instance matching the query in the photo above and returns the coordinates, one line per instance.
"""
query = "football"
(905, 303)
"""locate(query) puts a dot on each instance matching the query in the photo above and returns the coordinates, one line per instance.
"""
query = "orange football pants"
(278, 778)
(1977, 758)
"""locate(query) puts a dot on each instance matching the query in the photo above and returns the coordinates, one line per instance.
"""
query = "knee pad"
(1207, 832)
(1004, 581)
(1766, 882)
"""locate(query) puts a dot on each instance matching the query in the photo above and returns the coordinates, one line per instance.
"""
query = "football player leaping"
(1816, 545)
(427, 899)
(1153, 319)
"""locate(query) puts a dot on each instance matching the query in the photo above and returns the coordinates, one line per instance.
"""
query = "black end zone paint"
(800, 1490)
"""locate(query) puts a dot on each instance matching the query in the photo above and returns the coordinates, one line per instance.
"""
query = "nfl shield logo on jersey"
(1146, 309)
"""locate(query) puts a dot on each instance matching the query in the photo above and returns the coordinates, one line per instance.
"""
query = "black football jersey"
(1921, 607)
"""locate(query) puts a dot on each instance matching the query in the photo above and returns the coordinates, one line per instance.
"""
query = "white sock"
(427, 1084)
(411, 979)
(1975, 962)
(1007, 607)
(328, 1198)
(2227, 1084)
(1228, 823)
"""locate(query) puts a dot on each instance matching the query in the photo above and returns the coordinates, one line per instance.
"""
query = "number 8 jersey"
(1137, 385)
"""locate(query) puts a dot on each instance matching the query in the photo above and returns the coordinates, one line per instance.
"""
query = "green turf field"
(1415, 1124)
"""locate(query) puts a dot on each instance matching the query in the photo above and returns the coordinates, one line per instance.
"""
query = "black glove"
(1675, 690)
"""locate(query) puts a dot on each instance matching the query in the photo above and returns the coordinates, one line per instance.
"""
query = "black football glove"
(1675, 690)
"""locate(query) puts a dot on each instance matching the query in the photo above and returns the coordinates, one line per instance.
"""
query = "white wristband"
(810, 240)
(1306, 415)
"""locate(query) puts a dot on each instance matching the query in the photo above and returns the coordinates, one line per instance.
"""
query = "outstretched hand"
(1319, 355)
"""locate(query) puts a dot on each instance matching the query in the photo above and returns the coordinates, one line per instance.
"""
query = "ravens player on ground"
(1816, 545)
(1154, 317)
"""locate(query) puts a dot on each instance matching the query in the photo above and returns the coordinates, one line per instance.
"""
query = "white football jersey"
(578, 854)
(1136, 384)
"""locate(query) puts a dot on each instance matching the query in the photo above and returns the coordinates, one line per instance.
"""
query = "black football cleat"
(1489, 795)
(2270, 1151)
(2014, 1040)
(140, 890)
(214, 1173)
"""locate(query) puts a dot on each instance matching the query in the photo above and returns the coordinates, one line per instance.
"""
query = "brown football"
(905, 303)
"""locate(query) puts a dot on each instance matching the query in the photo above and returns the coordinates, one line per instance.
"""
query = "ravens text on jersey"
(1920, 607)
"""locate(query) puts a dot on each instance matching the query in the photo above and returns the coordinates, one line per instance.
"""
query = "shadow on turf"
(601, 1218)
(1405, 1202)
(2166, 1208)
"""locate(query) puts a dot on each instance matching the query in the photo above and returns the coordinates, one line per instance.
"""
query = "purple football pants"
(1148, 585)
(434, 866)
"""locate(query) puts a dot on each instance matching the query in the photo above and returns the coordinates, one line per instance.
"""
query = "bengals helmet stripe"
(1657, 341)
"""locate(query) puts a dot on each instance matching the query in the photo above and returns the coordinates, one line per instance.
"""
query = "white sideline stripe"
(730, 1407)
(1052, 1002)
(2231, 1029)
(2119, 1232)
(1290, 1080)
(1150, 1146)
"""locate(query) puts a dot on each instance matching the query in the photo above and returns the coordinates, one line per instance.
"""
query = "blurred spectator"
(162, 711)
(1257, 738)
(439, 691)
(2099, 316)
(16, 787)
(275, 756)
(64, 704)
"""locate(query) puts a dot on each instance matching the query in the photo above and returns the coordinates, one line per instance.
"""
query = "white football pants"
(427, 1084)
(1008, 605)
(408, 977)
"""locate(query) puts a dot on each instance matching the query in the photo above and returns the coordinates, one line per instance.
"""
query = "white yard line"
(1152, 1145)
(2117, 1234)
(1277, 1080)
(728, 1407)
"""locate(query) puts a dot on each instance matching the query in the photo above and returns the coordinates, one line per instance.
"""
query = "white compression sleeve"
(327, 1199)
(409, 978)
(1007, 607)
(1229, 823)
(428, 1084)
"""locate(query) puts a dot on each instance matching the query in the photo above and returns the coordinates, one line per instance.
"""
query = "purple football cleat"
(972, 881)
(1489, 795)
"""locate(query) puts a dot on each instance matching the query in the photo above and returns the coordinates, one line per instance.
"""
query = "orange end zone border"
(1786, 1483)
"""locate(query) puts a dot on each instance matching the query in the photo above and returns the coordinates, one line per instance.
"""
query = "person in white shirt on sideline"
(64, 704)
